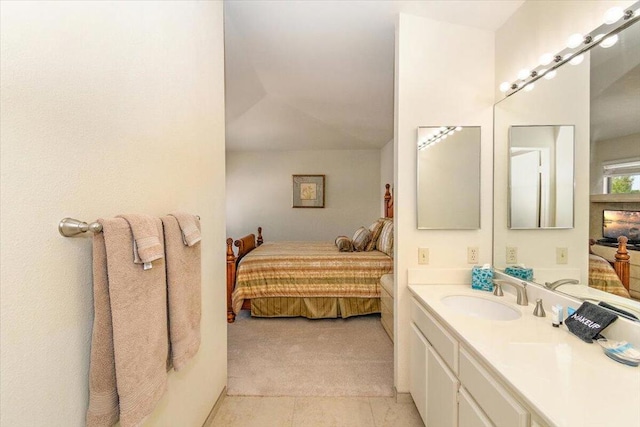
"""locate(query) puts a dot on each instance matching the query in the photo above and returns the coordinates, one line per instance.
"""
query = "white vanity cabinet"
(432, 385)
(449, 386)
(469, 413)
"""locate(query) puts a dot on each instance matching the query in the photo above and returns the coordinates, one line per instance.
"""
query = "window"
(622, 176)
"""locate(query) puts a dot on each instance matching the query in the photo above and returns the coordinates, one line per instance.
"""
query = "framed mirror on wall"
(448, 175)
(541, 176)
(599, 99)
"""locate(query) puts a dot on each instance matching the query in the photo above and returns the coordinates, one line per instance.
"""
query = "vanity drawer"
(445, 344)
(493, 398)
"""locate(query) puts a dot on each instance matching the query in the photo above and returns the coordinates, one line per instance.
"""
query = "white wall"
(259, 193)
(106, 108)
(443, 76)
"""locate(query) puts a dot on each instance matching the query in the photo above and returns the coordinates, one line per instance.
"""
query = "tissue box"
(482, 278)
(520, 272)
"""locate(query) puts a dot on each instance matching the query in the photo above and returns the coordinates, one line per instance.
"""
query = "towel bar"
(70, 227)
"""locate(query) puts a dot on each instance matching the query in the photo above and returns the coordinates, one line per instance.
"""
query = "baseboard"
(216, 406)
(403, 397)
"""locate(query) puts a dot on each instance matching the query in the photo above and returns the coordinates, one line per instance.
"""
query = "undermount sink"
(481, 307)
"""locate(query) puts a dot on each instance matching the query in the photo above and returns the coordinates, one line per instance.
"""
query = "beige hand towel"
(190, 226)
(146, 240)
(184, 290)
(129, 345)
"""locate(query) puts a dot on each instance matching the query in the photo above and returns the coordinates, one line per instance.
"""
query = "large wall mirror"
(599, 100)
(448, 177)
(541, 176)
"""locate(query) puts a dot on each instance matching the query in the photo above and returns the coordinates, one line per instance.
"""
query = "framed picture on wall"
(308, 191)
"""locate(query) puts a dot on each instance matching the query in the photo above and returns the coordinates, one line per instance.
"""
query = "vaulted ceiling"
(303, 75)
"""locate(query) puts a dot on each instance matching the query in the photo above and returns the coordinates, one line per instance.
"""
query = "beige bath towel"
(190, 226)
(127, 374)
(146, 239)
(183, 282)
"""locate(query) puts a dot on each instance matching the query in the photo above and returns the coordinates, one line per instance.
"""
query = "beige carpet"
(301, 357)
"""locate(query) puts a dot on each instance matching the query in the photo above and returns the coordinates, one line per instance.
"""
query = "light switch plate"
(562, 255)
(423, 255)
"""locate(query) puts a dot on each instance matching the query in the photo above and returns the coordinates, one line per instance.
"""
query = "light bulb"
(441, 129)
(504, 86)
(551, 74)
(609, 41)
(542, 72)
(445, 136)
(597, 38)
(574, 41)
(612, 15)
(546, 59)
(523, 74)
(577, 60)
(529, 87)
(459, 128)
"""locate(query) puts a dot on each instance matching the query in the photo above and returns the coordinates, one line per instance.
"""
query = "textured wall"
(259, 193)
(106, 108)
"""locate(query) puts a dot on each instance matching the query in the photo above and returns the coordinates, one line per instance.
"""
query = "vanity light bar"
(442, 133)
(605, 35)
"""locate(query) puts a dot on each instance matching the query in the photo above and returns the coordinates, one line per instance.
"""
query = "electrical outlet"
(473, 254)
(512, 255)
(423, 255)
(562, 255)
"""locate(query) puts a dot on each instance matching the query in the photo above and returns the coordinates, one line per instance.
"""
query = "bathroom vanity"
(468, 370)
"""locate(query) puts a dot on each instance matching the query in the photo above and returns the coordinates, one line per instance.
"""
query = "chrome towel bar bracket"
(69, 227)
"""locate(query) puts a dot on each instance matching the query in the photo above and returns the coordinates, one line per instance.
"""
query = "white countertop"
(566, 381)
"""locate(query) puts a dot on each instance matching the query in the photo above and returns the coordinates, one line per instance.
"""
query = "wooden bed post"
(231, 279)
(621, 264)
(259, 239)
(388, 202)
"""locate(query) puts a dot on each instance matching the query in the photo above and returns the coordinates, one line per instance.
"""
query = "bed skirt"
(314, 307)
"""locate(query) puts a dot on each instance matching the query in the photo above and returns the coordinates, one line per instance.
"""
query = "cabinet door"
(418, 370)
(442, 391)
(469, 414)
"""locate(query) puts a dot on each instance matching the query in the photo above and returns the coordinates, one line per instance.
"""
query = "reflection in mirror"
(541, 177)
(607, 145)
(448, 177)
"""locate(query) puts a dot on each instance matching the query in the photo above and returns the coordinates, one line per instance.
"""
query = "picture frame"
(308, 191)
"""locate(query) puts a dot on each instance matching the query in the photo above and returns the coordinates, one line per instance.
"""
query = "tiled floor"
(315, 412)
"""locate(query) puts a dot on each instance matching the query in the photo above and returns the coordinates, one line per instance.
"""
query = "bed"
(308, 279)
(610, 276)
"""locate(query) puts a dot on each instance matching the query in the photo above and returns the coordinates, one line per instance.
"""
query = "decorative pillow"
(385, 241)
(360, 239)
(344, 244)
(375, 229)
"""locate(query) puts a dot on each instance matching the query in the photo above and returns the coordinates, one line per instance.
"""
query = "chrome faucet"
(560, 282)
(521, 290)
